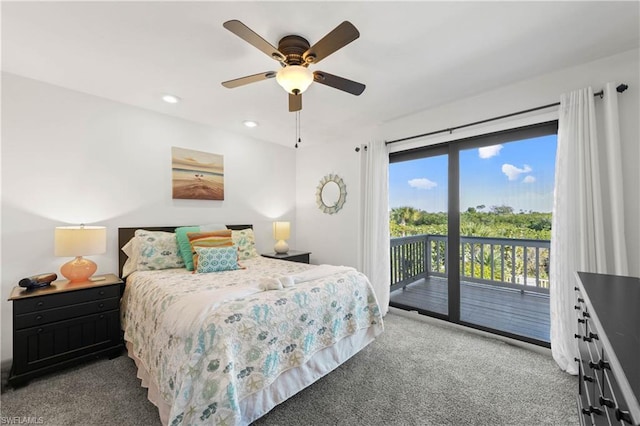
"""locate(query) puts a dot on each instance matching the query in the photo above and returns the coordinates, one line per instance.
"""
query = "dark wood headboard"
(125, 234)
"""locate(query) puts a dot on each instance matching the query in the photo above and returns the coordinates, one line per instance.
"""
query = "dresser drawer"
(40, 303)
(588, 381)
(58, 314)
(615, 404)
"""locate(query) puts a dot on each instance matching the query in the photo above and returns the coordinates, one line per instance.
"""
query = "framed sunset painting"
(197, 175)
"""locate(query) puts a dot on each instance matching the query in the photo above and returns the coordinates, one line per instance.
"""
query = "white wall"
(70, 158)
(334, 238)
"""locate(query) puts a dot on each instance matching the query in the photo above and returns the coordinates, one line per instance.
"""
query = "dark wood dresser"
(63, 324)
(609, 345)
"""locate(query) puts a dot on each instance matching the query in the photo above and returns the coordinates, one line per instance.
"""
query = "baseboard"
(5, 365)
(5, 369)
(431, 320)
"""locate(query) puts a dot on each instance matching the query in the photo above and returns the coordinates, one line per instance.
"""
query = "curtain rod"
(621, 88)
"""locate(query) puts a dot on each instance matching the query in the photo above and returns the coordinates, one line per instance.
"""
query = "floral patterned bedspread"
(242, 345)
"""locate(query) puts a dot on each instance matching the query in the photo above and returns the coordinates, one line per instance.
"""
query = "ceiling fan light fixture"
(295, 79)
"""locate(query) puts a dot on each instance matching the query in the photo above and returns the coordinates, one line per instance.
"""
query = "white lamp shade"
(281, 230)
(294, 78)
(72, 241)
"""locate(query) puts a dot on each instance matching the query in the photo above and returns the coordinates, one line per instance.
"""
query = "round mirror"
(331, 194)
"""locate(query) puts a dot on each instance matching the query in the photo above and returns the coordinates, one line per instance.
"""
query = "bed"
(226, 347)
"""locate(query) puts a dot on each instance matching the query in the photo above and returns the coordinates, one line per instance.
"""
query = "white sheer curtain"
(578, 238)
(375, 220)
(614, 216)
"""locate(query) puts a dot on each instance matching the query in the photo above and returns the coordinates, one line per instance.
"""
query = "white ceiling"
(412, 56)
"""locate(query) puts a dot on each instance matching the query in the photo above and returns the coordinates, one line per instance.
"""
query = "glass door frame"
(452, 149)
(420, 153)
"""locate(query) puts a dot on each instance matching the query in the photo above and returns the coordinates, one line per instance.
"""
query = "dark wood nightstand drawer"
(65, 312)
(39, 347)
(301, 258)
(39, 303)
(291, 256)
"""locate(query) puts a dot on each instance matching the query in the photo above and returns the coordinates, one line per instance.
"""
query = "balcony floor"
(525, 314)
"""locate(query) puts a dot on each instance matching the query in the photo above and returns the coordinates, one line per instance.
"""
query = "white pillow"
(131, 264)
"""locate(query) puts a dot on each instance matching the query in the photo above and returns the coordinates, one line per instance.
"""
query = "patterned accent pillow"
(208, 239)
(157, 250)
(244, 239)
(216, 259)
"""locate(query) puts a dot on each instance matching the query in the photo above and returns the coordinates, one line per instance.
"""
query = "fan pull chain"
(298, 139)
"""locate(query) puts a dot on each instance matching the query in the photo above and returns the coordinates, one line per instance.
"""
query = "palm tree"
(402, 215)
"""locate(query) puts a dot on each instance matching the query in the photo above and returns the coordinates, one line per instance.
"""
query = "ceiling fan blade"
(339, 83)
(295, 102)
(248, 79)
(248, 35)
(341, 35)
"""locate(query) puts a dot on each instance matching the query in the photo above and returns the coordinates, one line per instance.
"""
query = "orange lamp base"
(78, 270)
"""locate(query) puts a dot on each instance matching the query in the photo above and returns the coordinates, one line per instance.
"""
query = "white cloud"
(513, 172)
(528, 179)
(422, 183)
(489, 151)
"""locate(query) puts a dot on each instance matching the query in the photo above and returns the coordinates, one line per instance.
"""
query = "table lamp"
(78, 241)
(281, 232)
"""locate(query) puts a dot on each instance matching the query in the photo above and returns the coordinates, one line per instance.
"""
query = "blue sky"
(518, 174)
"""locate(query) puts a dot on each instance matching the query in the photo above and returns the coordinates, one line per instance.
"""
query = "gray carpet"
(416, 373)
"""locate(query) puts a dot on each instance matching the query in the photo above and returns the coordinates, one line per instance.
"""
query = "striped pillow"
(208, 239)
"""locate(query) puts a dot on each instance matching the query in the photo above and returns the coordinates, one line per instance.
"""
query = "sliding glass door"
(474, 216)
(506, 198)
(419, 226)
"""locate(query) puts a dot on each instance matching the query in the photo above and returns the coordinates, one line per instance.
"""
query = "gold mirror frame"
(342, 198)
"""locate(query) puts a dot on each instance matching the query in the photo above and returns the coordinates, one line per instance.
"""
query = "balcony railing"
(502, 262)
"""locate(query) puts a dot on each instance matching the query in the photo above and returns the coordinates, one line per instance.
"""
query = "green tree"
(501, 209)
(403, 215)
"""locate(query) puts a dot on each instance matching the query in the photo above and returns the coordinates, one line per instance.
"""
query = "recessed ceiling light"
(250, 123)
(171, 99)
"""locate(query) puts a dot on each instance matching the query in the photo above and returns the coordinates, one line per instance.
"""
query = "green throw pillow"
(184, 246)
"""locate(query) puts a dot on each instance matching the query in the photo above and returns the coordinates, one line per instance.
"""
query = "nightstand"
(63, 324)
(291, 255)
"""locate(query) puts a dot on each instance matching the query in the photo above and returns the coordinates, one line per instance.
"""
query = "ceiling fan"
(295, 54)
